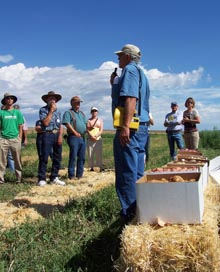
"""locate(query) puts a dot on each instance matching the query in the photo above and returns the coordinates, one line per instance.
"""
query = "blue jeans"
(129, 167)
(49, 141)
(39, 144)
(77, 150)
(174, 137)
(10, 162)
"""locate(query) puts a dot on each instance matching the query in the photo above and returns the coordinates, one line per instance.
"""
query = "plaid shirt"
(55, 121)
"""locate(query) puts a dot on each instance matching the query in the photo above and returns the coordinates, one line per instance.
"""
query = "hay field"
(40, 202)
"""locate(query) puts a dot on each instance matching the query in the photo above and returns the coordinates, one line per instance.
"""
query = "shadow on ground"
(98, 255)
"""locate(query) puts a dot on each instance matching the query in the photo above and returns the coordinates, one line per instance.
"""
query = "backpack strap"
(74, 118)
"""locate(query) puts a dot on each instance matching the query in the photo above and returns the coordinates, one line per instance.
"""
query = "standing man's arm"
(47, 119)
(20, 127)
(60, 135)
(129, 108)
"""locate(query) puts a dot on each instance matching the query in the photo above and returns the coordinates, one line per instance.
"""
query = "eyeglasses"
(189, 102)
(9, 97)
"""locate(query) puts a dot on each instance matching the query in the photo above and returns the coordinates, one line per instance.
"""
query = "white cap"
(94, 109)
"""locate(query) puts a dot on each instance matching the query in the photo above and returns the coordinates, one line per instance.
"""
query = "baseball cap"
(75, 99)
(129, 49)
(174, 103)
(94, 109)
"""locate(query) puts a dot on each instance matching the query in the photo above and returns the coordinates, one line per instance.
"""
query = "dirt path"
(41, 201)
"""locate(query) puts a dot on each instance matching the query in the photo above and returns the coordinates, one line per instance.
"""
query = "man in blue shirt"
(52, 131)
(75, 121)
(129, 145)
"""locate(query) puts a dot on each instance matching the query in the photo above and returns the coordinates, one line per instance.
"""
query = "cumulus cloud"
(29, 84)
(6, 58)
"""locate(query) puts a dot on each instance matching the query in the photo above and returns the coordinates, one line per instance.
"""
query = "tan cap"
(129, 49)
(75, 99)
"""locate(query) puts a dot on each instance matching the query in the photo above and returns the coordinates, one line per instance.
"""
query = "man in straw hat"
(132, 92)
(11, 122)
(52, 131)
(75, 122)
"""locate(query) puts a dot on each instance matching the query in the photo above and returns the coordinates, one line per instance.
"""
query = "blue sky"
(68, 46)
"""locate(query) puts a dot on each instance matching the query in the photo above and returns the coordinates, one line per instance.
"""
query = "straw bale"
(148, 248)
(40, 202)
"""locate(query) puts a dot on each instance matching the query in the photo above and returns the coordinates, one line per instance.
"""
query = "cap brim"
(118, 52)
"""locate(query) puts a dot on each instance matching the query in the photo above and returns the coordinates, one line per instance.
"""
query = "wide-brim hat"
(51, 93)
(6, 95)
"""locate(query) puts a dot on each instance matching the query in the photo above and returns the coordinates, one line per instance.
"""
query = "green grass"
(84, 236)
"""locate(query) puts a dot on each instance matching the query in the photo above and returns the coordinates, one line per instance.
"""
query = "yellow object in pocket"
(118, 119)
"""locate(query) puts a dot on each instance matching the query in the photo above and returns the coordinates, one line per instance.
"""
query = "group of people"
(130, 91)
(176, 120)
(49, 138)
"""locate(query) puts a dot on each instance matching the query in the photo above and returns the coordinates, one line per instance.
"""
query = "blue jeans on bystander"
(77, 152)
(49, 142)
(175, 137)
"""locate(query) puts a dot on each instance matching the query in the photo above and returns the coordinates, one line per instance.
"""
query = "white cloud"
(29, 84)
(6, 58)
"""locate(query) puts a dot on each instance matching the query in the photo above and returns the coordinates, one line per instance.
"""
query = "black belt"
(54, 131)
(144, 124)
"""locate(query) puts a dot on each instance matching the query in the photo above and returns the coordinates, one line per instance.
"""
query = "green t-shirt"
(9, 123)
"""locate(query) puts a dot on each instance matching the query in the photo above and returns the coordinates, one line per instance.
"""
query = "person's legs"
(4, 147)
(10, 162)
(81, 158)
(129, 167)
(57, 157)
(15, 147)
(142, 136)
(98, 153)
(73, 143)
(171, 143)
(187, 140)
(147, 148)
(194, 140)
(90, 150)
(47, 143)
(179, 140)
(39, 142)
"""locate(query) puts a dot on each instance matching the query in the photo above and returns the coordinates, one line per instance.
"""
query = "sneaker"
(42, 183)
(58, 182)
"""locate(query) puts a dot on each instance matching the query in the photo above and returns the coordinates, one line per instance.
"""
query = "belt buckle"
(54, 131)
